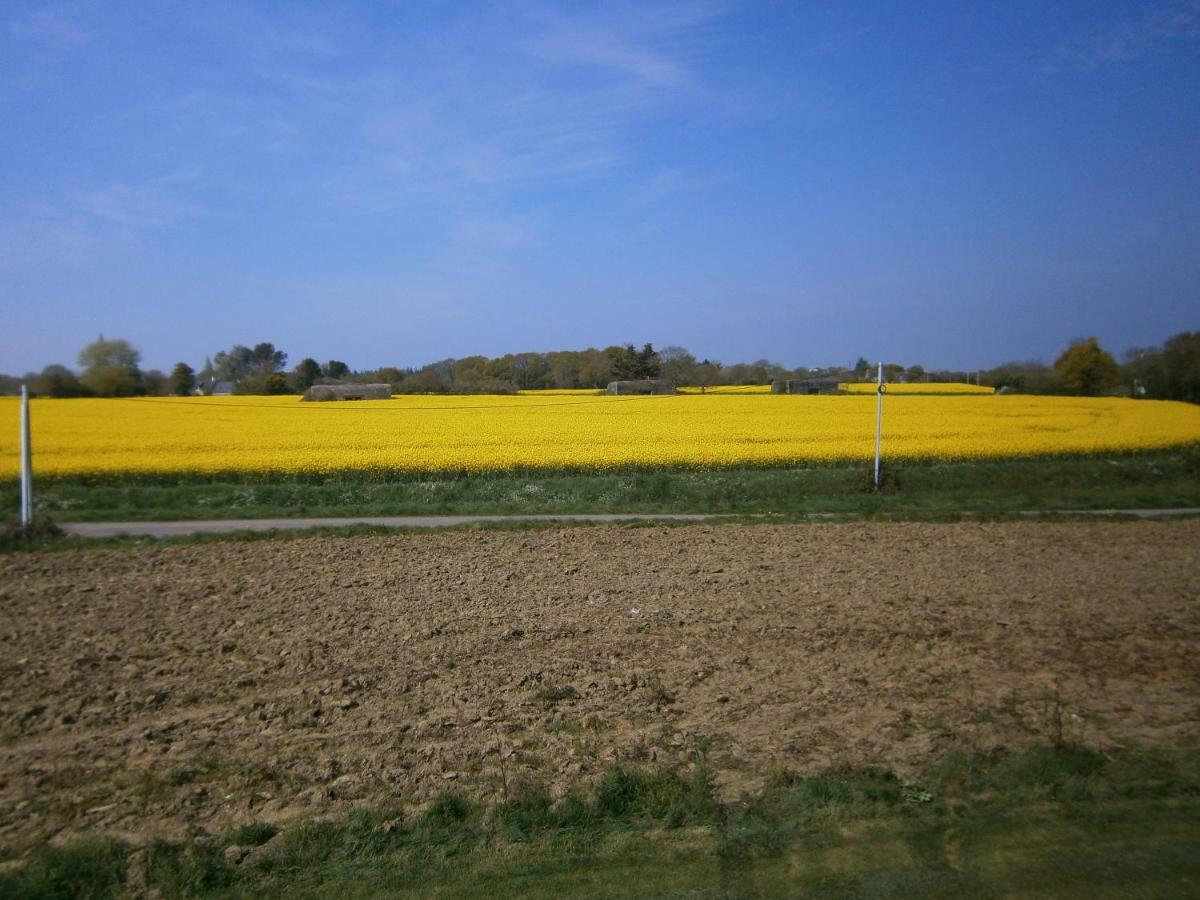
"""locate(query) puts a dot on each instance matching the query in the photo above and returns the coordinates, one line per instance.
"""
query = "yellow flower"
(581, 431)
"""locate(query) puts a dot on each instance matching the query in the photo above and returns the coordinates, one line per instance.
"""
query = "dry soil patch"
(185, 689)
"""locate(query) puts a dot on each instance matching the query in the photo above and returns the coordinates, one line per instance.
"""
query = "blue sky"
(955, 184)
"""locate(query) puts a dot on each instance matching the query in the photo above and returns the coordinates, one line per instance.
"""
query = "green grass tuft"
(88, 870)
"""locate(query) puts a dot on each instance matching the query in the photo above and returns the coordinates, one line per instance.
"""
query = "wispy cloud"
(631, 46)
(1155, 30)
(459, 124)
(85, 224)
(147, 204)
(56, 27)
(671, 181)
(469, 130)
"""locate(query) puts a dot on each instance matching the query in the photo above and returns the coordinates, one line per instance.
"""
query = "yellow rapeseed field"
(865, 387)
(589, 432)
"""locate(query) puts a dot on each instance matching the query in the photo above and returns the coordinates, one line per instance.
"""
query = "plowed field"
(185, 689)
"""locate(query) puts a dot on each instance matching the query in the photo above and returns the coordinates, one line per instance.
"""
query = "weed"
(88, 869)
(1034, 820)
(551, 694)
(252, 834)
(861, 479)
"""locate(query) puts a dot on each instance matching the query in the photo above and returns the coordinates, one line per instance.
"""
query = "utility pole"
(26, 464)
(878, 425)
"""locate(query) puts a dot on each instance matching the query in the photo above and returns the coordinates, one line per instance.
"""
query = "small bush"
(89, 869)
(1190, 455)
(188, 871)
(252, 834)
(1054, 767)
(861, 479)
(666, 796)
(447, 810)
(42, 531)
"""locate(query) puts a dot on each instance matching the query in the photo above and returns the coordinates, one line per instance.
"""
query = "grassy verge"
(1052, 821)
(1153, 480)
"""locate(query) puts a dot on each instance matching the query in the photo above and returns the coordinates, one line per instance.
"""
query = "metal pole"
(878, 424)
(26, 464)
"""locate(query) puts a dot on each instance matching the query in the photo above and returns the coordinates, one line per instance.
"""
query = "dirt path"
(182, 689)
(227, 526)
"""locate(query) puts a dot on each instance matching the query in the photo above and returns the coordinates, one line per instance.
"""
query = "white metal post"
(878, 424)
(26, 463)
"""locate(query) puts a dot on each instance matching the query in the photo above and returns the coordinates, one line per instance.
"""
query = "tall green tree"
(110, 368)
(678, 366)
(183, 380)
(155, 382)
(1181, 367)
(249, 368)
(627, 363)
(1087, 369)
(306, 373)
(58, 381)
(707, 374)
(649, 365)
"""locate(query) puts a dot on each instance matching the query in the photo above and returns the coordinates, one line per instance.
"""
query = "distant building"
(825, 385)
(216, 389)
(641, 386)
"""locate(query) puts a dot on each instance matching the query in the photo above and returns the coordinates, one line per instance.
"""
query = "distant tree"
(276, 383)
(626, 363)
(595, 370)
(183, 380)
(1181, 367)
(917, 371)
(266, 359)
(110, 368)
(154, 382)
(623, 362)
(1142, 372)
(387, 375)
(470, 373)
(707, 374)
(861, 368)
(533, 370)
(1028, 377)
(234, 364)
(765, 371)
(649, 364)
(1086, 368)
(58, 381)
(335, 368)
(426, 381)
(248, 368)
(678, 366)
(564, 369)
(737, 374)
(306, 373)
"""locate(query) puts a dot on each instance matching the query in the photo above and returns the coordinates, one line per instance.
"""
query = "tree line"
(112, 368)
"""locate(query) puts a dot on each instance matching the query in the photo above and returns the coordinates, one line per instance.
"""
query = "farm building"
(215, 388)
(325, 392)
(805, 386)
(641, 386)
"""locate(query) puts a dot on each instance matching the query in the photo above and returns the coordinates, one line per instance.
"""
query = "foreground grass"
(1054, 821)
(1165, 479)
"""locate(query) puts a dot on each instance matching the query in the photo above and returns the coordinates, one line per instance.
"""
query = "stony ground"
(186, 689)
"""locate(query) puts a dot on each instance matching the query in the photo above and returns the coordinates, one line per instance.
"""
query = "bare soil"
(181, 690)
